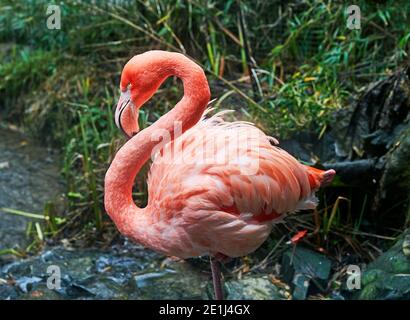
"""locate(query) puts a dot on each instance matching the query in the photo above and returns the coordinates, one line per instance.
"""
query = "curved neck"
(131, 157)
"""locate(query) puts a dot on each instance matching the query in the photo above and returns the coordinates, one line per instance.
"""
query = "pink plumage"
(215, 187)
(198, 205)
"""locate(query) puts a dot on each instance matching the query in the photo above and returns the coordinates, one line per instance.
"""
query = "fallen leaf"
(297, 236)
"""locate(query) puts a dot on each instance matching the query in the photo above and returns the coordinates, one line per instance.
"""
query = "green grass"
(284, 67)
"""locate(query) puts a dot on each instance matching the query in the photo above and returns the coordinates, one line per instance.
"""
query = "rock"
(117, 273)
(4, 165)
(126, 272)
(253, 288)
(368, 127)
(309, 148)
(300, 266)
(25, 283)
(8, 292)
(171, 284)
(388, 277)
(395, 181)
(373, 140)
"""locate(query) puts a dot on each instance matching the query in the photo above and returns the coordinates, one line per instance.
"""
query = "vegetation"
(285, 67)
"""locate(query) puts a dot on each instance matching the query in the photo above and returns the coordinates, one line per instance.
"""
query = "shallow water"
(29, 177)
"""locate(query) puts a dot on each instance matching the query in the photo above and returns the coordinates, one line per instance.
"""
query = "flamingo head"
(140, 79)
(126, 115)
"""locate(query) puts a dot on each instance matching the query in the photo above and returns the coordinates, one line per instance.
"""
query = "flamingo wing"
(218, 187)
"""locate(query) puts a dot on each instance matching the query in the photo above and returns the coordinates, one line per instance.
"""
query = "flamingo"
(215, 187)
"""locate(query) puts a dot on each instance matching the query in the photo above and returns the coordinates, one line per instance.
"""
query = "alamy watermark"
(54, 280)
(354, 277)
(354, 17)
(53, 21)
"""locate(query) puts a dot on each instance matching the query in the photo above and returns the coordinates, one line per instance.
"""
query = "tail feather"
(320, 178)
(327, 177)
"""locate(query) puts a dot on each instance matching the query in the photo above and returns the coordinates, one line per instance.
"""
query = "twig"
(268, 255)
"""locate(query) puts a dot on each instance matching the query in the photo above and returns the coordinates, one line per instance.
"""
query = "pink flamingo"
(199, 205)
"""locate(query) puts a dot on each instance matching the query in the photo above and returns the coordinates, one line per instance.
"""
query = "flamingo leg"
(217, 278)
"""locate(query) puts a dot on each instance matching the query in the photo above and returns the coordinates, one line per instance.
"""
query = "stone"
(300, 266)
(388, 277)
(253, 288)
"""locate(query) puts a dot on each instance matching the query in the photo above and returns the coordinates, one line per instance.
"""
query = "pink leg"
(217, 279)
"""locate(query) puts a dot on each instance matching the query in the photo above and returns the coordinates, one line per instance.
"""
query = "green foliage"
(14, 70)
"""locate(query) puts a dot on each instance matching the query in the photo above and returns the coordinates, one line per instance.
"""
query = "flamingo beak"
(118, 113)
(126, 115)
